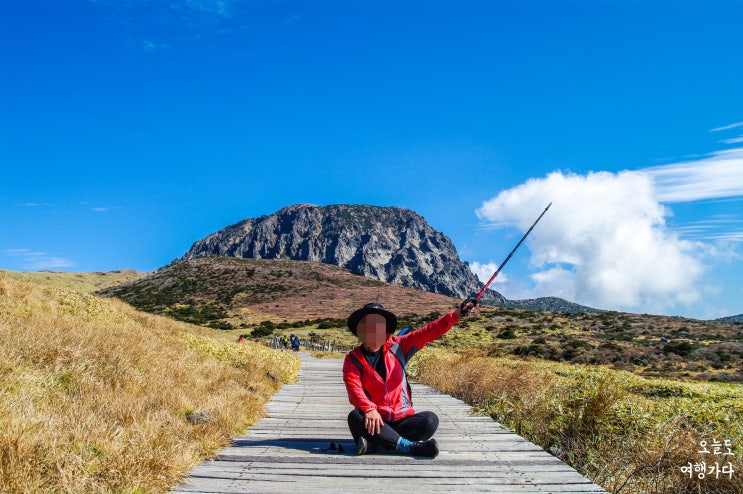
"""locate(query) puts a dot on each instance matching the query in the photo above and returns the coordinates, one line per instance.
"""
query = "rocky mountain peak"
(391, 244)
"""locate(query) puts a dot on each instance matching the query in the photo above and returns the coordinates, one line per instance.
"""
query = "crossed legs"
(417, 427)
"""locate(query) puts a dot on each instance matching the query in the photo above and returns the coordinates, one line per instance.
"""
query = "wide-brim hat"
(372, 308)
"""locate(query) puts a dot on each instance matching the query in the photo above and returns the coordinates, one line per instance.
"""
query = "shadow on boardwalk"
(295, 449)
(325, 446)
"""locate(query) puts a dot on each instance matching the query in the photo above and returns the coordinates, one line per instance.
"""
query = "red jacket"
(391, 398)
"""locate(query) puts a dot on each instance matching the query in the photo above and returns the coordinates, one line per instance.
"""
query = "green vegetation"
(651, 346)
(627, 433)
(264, 329)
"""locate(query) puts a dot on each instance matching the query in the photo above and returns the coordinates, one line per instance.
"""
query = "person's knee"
(355, 415)
(431, 421)
(356, 422)
(420, 426)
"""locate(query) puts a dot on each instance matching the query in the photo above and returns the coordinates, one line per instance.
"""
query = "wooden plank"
(240, 470)
(290, 450)
(282, 464)
(360, 486)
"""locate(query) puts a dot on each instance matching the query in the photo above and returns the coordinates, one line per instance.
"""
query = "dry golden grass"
(624, 432)
(97, 397)
(83, 282)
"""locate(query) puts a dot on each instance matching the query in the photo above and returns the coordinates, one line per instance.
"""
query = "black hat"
(372, 308)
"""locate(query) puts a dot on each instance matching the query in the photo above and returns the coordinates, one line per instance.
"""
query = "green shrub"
(261, 332)
(221, 325)
(507, 333)
(682, 348)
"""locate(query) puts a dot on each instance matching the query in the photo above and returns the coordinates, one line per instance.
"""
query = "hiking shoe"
(429, 449)
(361, 446)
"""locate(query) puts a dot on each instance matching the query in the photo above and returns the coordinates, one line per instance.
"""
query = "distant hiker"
(296, 344)
(285, 342)
(376, 382)
(241, 339)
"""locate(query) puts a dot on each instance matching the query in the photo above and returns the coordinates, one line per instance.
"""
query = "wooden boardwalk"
(290, 450)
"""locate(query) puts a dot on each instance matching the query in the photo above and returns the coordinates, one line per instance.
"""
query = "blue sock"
(403, 445)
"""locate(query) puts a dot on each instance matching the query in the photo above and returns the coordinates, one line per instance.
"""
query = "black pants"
(417, 427)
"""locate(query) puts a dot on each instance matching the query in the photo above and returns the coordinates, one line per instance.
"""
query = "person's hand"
(373, 422)
(466, 306)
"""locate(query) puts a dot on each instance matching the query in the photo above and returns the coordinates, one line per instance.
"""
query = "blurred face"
(372, 331)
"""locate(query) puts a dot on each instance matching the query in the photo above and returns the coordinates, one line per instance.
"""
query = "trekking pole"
(477, 297)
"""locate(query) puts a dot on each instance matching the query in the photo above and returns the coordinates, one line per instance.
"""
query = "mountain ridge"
(738, 318)
(390, 244)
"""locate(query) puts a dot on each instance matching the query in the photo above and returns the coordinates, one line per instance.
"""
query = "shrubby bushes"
(624, 432)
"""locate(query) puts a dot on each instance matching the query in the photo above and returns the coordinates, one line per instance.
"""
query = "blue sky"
(130, 129)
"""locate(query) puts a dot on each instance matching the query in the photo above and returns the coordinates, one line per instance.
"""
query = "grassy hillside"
(98, 397)
(652, 346)
(95, 396)
(243, 296)
(626, 433)
(83, 282)
(237, 293)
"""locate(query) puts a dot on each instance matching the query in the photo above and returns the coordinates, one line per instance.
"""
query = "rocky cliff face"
(386, 243)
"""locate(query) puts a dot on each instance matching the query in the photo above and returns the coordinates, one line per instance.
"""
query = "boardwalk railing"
(323, 345)
(303, 446)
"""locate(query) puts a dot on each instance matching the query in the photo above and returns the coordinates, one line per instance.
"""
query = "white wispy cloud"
(734, 140)
(727, 127)
(727, 228)
(151, 46)
(716, 176)
(35, 260)
(158, 27)
(219, 8)
(99, 210)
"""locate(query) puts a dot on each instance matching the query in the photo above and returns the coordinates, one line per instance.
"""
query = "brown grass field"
(83, 282)
(97, 397)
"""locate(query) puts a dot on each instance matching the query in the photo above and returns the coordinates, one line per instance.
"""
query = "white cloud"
(715, 176)
(484, 271)
(158, 27)
(728, 127)
(219, 8)
(727, 228)
(734, 140)
(15, 252)
(34, 260)
(153, 46)
(603, 243)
